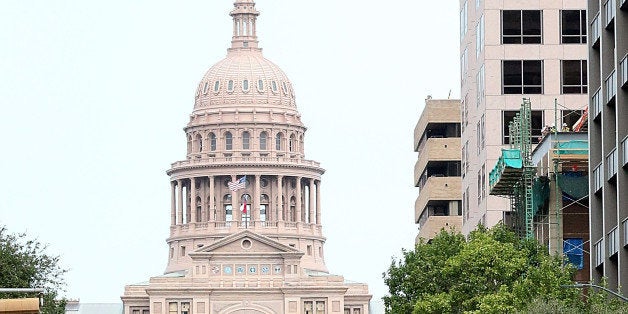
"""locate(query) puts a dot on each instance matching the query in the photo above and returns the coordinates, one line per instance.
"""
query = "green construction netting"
(540, 193)
(510, 158)
(574, 184)
(573, 148)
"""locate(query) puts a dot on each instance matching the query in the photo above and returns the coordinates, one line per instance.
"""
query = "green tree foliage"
(24, 263)
(493, 272)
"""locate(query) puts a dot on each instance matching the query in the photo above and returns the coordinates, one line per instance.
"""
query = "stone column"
(279, 205)
(318, 202)
(173, 204)
(180, 211)
(212, 205)
(256, 199)
(312, 203)
(203, 196)
(192, 200)
(298, 209)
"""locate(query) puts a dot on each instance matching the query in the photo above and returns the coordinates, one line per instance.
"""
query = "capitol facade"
(245, 230)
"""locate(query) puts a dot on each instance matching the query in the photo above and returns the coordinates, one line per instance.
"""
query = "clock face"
(265, 269)
(228, 270)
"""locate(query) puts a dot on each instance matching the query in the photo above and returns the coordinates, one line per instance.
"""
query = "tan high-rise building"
(608, 140)
(510, 50)
(437, 170)
(246, 230)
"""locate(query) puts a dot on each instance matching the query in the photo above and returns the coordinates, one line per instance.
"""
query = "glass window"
(274, 86)
(574, 76)
(230, 86)
(610, 85)
(536, 125)
(284, 87)
(205, 87)
(292, 143)
(623, 69)
(573, 26)
(246, 140)
(521, 27)
(228, 212)
(260, 85)
(522, 76)
(212, 141)
(479, 36)
(262, 141)
(216, 86)
(245, 85)
(173, 308)
(278, 139)
(463, 20)
(199, 142)
(228, 141)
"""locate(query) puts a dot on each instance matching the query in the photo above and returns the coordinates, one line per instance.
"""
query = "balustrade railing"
(232, 226)
(244, 159)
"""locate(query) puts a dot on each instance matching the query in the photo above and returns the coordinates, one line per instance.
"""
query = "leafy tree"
(493, 272)
(24, 263)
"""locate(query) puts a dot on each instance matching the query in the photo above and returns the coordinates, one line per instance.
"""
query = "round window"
(246, 244)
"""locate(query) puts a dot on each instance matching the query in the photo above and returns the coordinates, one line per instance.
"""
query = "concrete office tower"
(510, 50)
(437, 170)
(256, 246)
(608, 133)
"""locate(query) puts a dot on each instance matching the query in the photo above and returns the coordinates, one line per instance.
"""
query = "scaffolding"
(543, 182)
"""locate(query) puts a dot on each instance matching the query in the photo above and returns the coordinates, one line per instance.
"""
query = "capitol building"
(245, 220)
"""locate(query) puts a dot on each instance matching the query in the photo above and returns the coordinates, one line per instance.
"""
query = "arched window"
(216, 86)
(228, 141)
(292, 215)
(263, 206)
(189, 144)
(262, 140)
(226, 203)
(273, 84)
(246, 212)
(212, 141)
(284, 87)
(245, 85)
(292, 143)
(199, 209)
(199, 142)
(278, 139)
(246, 140)
(230, 86)
(205, 87)
(260, 85)
(301, 144)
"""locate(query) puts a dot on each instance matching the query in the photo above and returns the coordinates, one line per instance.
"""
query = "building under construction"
(548, 187)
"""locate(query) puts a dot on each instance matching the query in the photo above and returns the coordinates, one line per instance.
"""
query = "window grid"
(573, 26)
(595, 30)
(597, 178)
(480, 86)
(609, 11)
(623, 69)
(522, 27)
(574, 76)
(611, 164)
(598, 248)
(613, 241)
(610, 87)
(596, 102)
(522, 77)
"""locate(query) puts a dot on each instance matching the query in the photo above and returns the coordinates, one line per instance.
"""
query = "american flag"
(237, 185)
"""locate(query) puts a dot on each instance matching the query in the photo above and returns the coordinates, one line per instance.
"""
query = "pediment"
(245, 243)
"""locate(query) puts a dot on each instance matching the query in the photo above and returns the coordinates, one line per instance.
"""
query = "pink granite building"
(256, 246)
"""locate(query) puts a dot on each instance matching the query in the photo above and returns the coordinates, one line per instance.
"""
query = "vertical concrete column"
(180, 201)
(173, 204)
(193, 199)
(212, 205)
(298, 211)
(235, 208)
(279, 199)
(256, 197)
(318, 202)
(312, 203)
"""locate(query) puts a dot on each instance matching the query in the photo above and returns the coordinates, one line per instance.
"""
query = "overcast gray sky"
(94, 96)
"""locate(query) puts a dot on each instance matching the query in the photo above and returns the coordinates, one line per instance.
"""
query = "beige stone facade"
(510, 50)
(256, 247)
(437, 170)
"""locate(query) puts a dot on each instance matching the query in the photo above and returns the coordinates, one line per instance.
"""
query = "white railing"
(598, 249)
(595, 30)
(597, 178)
(611, 164)
(609, 11)
(623, 70)
(234, 226)
(596, 102)
(613, 241)
(610, 87)
(625, 228)
(245, 159)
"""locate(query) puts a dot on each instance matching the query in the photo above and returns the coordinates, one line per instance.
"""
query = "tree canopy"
(492, 272)
(24, 263)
